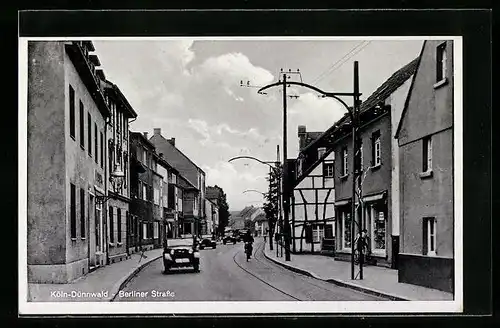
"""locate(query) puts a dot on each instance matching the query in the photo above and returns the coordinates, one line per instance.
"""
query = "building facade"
(192, 175)
(172, 192)
(118, 206)
(313, 200)
(145, 188)
(426, 158)
(377, 174)
(67, 115)
(189, 223)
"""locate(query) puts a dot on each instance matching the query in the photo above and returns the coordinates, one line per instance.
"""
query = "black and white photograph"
(240, 174)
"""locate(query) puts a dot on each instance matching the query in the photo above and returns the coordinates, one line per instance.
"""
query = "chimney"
(157, 131)
(172, 141)
(145, 134)
(302, 136)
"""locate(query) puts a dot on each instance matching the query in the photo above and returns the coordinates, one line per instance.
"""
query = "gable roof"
(172, 152)
(145, 140)
(311, 136)
(407, 100)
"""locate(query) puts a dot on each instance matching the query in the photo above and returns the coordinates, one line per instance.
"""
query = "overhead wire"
(354, 51)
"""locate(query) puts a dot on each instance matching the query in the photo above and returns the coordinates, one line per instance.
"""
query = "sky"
(190, 88)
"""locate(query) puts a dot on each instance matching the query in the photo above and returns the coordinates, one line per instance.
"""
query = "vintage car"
(229, 239)
(207, 241)
(179, 253)
(241, 234)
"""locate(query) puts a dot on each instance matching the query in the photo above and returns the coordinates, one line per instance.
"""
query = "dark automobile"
(207, 241)
(241, 234)
(229, 239)
(179, 253)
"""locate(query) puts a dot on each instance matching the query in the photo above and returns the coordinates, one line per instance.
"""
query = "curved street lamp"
(253, 190)
(353, 113)
(268, 163)
(117, 179)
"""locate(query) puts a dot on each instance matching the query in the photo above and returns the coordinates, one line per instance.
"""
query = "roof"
(392, 84)
(143, 138)
(212, 192)
(111, 86)
(172, 151)
(380, 95)
(261, 217)
(311, 136)
(187, 182)
(396, 134)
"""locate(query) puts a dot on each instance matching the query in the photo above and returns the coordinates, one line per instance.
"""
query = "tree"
(271, 206)
(223, 209)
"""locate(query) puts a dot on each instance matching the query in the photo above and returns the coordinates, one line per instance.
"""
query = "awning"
(342, 202)
(374, 197)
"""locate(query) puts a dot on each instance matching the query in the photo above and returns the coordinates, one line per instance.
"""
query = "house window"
(144, 157)
(144, 231)
(376, 158)
(318, 233)
(321, 152)
(328, 170)
(89, 133)
(111, 226)
(125, 171)
(119, 224)
(125, 128)
(72, 123)
(96, 144)
(346, 230)
(441, 57)
(144, 191)
(156, 196)
(110, 158)
(82, 213)
(102, 151)
(82, 126)
(73, 210)
(377, 220)
(345, 169)
(156, 229)
(429, 242)
(361, 156)
(427, 154)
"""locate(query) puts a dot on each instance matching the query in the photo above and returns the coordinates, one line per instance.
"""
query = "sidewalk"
(104, 283)
(376, 280)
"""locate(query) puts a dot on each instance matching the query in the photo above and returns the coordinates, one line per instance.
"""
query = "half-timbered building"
(313, 201)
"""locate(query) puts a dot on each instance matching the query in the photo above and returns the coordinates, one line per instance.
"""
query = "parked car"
(207, 241)
(229, 239)
(179, 253)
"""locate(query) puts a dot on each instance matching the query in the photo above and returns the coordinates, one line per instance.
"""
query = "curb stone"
(338, 282)
(123, 281)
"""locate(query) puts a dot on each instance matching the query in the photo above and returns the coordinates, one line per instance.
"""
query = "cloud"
(235, 182)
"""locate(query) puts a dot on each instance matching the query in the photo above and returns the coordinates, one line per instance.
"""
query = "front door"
(96, 237)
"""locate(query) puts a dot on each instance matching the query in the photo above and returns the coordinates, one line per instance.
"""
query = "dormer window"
(321, 152)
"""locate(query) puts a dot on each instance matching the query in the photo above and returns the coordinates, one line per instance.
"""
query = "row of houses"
(97, 192)
(405, 157)
(252, 218)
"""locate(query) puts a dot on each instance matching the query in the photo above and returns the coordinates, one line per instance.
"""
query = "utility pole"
(286, 196)
(280, 198)
(354, 118)
(285, 183)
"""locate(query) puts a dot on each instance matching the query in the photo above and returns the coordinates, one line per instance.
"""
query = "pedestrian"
(361, 245)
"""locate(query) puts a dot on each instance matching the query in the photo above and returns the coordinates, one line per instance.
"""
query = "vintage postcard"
(223, 175)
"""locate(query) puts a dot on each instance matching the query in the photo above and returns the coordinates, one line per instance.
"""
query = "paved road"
(226, 276)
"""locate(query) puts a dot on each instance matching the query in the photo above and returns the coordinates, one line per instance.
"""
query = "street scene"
(177, 169)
